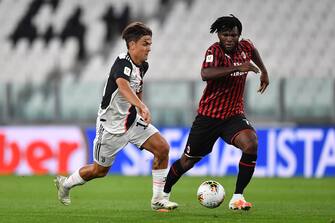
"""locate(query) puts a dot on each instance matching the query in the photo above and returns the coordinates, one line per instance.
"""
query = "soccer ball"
(211, 194)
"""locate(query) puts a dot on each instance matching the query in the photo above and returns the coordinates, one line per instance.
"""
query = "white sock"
(166, 195)
(158, 182)
(237, 196)
(74, 180)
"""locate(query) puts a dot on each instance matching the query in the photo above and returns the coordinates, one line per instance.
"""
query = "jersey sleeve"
(212, 57)
(121, 68)
(247, 44)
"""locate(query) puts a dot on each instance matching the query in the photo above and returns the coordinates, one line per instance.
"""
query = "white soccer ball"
(211, 194)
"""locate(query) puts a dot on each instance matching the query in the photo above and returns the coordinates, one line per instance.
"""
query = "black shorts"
(205, 131)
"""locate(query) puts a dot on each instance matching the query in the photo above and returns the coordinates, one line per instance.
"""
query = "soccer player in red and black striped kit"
(221, 112)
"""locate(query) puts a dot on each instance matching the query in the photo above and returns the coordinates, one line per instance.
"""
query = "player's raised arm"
(132, 98)
(264, 78)
(217, 72)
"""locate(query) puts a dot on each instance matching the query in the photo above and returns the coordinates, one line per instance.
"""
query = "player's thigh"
(239, 132)
(204, 133)
(142, 134)
(106, 146)
(156, 144)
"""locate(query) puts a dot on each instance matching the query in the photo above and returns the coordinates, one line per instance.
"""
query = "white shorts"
(107, 145)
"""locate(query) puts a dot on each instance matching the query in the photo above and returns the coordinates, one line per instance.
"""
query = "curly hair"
(226, 23)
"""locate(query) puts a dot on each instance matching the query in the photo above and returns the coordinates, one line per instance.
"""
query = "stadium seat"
(309, 97)
(68, 54)
(95, 70)
(295, 46)
(95, 38)
(40, 107)
(176, 95)
(266, 104)
(3, 101)
(80, 100)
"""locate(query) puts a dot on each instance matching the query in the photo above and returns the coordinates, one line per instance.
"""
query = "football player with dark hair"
(123, 118)
(221, 110)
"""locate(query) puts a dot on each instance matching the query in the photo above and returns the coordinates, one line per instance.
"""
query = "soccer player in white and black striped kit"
(124, 118)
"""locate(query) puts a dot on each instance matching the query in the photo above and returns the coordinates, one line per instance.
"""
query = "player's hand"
(145, 113)
(247, 66)
(264, 79)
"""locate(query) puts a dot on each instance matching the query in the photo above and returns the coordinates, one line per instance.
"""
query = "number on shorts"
(142, 123)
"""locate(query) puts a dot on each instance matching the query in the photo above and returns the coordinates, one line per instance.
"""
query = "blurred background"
(55, 56)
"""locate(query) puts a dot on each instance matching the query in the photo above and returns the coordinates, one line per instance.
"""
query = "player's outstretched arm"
(217, 72)
(140, 96)
(132, 98)
(264, 78)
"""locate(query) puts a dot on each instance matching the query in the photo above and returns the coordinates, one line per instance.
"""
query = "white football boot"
(163, 204)
(238, 202)
(63, 192)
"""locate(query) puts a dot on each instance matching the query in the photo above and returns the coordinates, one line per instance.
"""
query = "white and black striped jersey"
(115, 113)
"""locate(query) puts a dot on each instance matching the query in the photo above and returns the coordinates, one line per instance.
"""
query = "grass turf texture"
(127, 199)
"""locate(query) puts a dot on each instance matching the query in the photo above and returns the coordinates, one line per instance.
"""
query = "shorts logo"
(188, 149)
(209, 58)
(126, 71)
(103, 159)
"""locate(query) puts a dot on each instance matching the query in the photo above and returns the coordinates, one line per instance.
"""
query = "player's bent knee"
(162, 154)
(162, 151)
(251, 147)
(165, 149)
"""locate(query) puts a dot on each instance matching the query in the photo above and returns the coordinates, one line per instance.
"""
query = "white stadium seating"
(295, 39)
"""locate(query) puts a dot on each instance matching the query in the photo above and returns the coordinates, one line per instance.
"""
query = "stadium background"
(55, 56)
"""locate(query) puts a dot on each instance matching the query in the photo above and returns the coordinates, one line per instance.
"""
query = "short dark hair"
(225, 23)
(134, 31)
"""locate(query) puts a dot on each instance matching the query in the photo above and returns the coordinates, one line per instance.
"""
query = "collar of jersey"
(139, 66)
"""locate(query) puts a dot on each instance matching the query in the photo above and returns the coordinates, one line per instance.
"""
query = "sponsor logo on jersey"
(127, 71)
(235, 74)
(209, 58)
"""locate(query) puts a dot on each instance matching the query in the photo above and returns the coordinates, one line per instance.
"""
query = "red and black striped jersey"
(223, 97)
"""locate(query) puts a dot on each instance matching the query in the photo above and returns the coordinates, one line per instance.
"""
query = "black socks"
(175, 172)
(246, 170)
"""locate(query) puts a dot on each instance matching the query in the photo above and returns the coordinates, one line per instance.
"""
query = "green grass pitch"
(127, 199)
